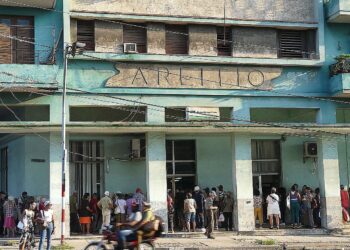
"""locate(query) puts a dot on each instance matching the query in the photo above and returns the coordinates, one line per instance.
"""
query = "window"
(136, 33)
(266, 156)
(178, 114)
(17, 51)
(224, 41)
(297, 43)
(285, 115)
(86, 34)
(343, 115)
(108, 114)
(176, 39)
(181, 157)
(27, 113)
(4, 170)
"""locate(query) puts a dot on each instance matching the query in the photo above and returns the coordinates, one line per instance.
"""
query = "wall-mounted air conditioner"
(310, 149)
(130, 48)
(138, 149)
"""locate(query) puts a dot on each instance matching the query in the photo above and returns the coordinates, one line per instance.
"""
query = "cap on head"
(47, 203)
(146, 204)
(107, 193)
(196, 188)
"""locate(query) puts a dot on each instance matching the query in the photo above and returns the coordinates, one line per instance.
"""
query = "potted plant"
(341, 66)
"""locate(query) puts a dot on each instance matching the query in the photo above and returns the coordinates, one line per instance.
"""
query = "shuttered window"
(224, 41)
(20, 50)
(176, 39)
(297, 43)
(136, 33)
(86, 34)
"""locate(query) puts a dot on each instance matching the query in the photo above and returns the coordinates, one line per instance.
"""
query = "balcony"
(340, 77)
(338, 11)
(49, 4)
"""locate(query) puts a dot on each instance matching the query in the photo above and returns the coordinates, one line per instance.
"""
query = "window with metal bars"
(86, 33)
(224, 41)
(20, 50)
(176, 39)
(136, 33)
(297, 43)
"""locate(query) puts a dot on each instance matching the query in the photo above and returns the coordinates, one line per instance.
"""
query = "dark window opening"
(108, 114)
(178, 114)
(136, 33)
(297, 43)
(21, 50)
(35, 113)
(224, 41)
(176, 39)
(285, 115)
(4, 170)
(181, 157)
(266, 156)
(86, 34)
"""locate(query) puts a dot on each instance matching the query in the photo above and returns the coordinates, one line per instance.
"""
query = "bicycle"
(25, 241)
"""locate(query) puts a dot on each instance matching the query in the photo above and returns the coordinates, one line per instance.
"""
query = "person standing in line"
(309, 210)
(273, 208)
(46, 221)
(106, 204)
(209, 209)
(94, 212)
(120, 207)
(190, 212)
(129, 204)
(215, 211)
(9, 212)
(344, 195)
(171, 210)
(73, 207)
(317, 207)
(139, 198)
(199, 198)
(85, 213)
(295, 199)
(228, 211)
(258, 212)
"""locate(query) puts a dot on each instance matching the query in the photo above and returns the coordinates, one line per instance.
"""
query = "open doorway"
(266, 160)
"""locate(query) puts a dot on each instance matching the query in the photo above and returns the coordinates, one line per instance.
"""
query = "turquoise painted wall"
(16, 167)
(294, 170)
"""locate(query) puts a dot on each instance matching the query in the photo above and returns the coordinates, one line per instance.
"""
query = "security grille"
(176, 39)
(86, 34)
(224, 41)
(297, 43)
(136, 33)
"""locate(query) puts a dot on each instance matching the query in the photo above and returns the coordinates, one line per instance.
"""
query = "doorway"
(86, 167)
(4, 170)
(266, 160)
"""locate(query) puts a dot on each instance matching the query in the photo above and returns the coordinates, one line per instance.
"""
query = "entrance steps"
(286, 232)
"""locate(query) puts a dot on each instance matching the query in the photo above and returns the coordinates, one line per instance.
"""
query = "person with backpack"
(273, 208)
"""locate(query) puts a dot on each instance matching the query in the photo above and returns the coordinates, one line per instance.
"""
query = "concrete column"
(242, 183)
(156, 173)
(156, 38)
(155, 115)
(328, 171)
(56, 184)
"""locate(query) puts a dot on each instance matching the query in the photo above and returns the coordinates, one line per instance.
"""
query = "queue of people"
(200, 210)
(302, 207)
(92, 214)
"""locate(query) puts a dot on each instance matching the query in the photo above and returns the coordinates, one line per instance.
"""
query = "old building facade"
(173, 94)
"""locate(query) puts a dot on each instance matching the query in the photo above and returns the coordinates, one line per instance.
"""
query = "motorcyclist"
(134, 218)
(145, 228)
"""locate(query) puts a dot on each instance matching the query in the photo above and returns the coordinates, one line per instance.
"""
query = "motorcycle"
(110, 239)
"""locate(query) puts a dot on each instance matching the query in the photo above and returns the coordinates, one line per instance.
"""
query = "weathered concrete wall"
(264, 10)
(202, 40)
(254, 42)
(108, 37)
(73, 30)
(156, 38)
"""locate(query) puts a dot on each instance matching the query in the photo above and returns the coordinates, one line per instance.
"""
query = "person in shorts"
(190, 212)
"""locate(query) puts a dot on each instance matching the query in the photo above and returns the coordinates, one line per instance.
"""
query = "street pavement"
(225, 240)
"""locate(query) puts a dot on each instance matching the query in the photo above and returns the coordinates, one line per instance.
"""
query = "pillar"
(155, 115)
(56, 184)
(156, 173)
(242, 183)
(328, 171)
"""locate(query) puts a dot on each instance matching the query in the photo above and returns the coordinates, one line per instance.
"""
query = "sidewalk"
(224, 240)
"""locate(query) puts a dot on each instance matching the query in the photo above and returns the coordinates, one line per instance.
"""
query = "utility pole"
(68, 50)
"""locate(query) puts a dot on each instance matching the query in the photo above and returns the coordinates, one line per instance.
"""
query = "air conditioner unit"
(310, 149)
(130, 48)
(138, 149)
